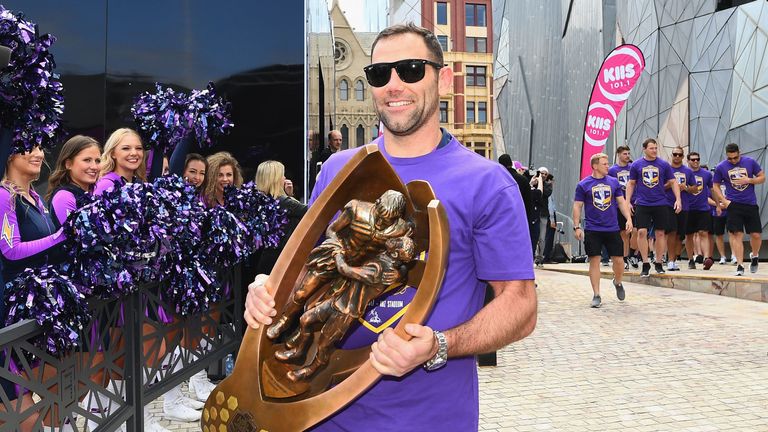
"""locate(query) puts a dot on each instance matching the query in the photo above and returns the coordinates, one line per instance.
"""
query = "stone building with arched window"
(354, 113)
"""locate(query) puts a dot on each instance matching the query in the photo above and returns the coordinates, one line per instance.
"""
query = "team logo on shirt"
(735, 173)
(681, 180)
(699, 184)
(650, 175)
(7, 231)
(623, 177)
(602, 196)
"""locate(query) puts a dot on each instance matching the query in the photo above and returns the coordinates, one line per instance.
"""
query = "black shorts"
(718, 225)
(698, 220)
(595, 240)
(623, 221)
(676, 221)
(743, 217)
(648, 216)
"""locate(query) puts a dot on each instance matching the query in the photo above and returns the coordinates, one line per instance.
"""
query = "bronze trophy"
(290, 375)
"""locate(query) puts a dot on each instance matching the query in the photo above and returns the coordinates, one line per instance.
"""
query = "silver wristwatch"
(441, 357)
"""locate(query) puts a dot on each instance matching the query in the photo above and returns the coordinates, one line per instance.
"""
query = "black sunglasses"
(694, 159)
(677, 154)
(409, 71)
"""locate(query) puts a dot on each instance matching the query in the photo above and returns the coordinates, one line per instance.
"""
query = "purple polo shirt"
(649, 177)
(726, 171)
(684, 177)
(601, 205)
(486, 217)
(698, 200)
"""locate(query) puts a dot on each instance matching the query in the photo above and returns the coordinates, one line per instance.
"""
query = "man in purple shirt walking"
(649, 176)
(699, 216)
(600, 195)
(485, 214)
(740, 174)
(621, 172)
(678, 222)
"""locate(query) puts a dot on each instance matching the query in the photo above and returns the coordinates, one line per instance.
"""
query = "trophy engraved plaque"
(291, 375)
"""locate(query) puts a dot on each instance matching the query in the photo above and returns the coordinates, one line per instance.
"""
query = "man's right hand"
(259, 304)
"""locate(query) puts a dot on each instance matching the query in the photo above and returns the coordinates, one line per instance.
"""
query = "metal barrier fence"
(121, 360)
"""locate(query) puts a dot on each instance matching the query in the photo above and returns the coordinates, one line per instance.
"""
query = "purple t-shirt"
(684, 177)
(650, 177)
(601, 206)
(726, 171)
(621, 173)
(703, 181)
(488, 227)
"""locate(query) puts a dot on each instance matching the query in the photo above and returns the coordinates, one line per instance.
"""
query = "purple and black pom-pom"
(54, 302)
(31, 94)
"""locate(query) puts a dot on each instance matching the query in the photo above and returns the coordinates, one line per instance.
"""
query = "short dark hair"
(433, 45)
(693, 153)
(195, 157)
(732, 148)
(505, 160)
(622, 148)
(648, 141)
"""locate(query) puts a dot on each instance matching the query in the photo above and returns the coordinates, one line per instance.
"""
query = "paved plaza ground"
(663, 360)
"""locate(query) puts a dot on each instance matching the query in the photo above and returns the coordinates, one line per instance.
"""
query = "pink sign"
(619, 73)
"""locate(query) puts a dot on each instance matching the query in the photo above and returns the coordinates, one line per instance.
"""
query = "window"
(443, 111)
(483, 149)
(470, 112)
(344, 90)
(476, 76)
(443, 42)
(359, 90)
(476, 44)
(482, 112)
(344, 136)
(474, 14)
(442, 13)
(374, 132)
(360, 136)
(726, 4)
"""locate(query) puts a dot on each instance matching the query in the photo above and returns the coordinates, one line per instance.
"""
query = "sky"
(365, 15)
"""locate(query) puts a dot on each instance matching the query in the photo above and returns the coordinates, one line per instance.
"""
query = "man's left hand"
(393, 355)
(678, 206)
(741, 181)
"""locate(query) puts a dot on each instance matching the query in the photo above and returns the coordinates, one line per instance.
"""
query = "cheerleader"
(122, 161)
(75, 174)
(28, 238)
(195, 167)
(224, 171)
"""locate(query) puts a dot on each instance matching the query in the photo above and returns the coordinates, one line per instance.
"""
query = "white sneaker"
(722, 261)
(733, 260)
(151, 424)
(174, 408)
(670, 266)
(200, 386)
(154, 426)
(192, 403)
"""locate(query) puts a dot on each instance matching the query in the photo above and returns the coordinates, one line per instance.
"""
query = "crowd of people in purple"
(32, 233)
(644, 212)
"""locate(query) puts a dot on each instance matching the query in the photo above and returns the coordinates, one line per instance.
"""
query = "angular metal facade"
(705, 83)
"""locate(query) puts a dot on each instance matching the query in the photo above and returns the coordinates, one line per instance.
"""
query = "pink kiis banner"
(619, 73)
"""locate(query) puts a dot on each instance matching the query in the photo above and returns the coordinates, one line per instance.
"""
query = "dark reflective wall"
(107, 52)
